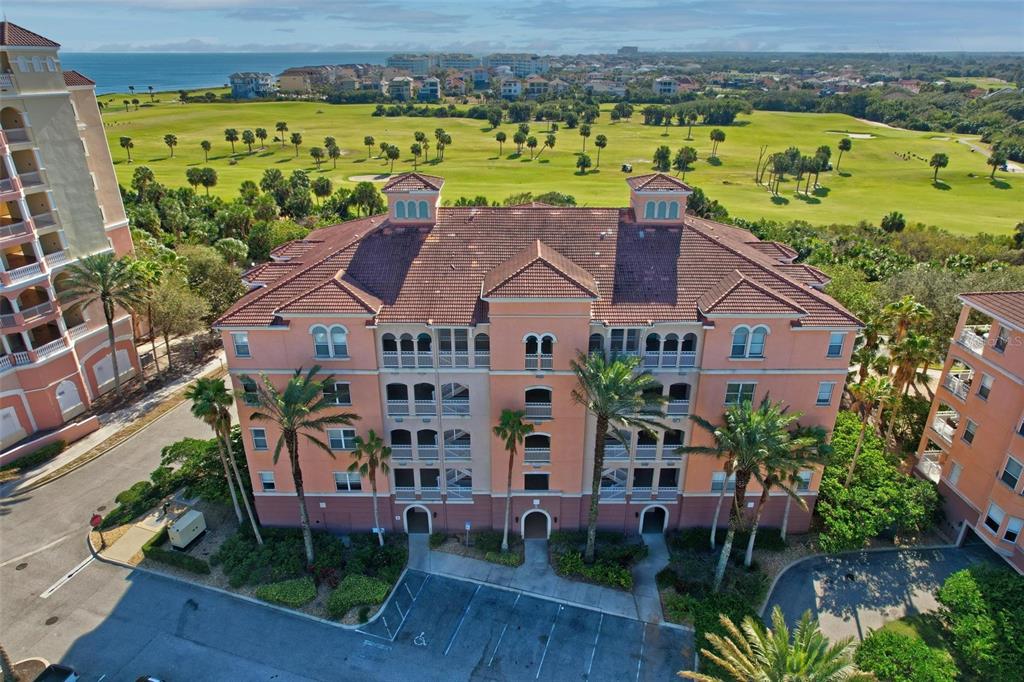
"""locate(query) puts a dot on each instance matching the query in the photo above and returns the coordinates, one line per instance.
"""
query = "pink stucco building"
(432, 320)
(59, 202)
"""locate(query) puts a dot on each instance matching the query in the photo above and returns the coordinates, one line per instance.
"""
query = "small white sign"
(467, 525)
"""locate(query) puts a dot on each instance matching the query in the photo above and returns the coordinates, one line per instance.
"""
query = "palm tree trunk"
(839, 159)
(7, 667)
(749, 557)
(508, 501)
(113, 351)
(595, 488)
(226, 435)
(167, 346)
(376, 514)
(856, 450)
(785, 518)
(718, 509)
(735, 516)
(152, 334)
(227, 475)
(300, 491)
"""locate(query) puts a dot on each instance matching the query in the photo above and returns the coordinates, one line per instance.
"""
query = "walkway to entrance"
(645, 584)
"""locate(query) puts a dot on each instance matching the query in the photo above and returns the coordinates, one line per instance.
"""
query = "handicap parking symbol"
(420, 639)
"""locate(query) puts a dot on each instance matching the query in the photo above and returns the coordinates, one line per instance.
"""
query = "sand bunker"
(380, 177)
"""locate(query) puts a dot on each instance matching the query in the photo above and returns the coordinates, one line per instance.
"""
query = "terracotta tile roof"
(1006, 305)
(74, 79)
(337, 296)
(782, 252)
(15, 36)
(265, 273)
(640, 273)
(538, 271)
(808, 274)
(657, 182)
(294, 249)
(410, 182)
(735, 294)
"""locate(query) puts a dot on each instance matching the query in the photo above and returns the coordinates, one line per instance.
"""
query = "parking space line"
(597, 636)
(551, 634)
(640, 661)
(409, 610)
(502, 635)
(459, 626)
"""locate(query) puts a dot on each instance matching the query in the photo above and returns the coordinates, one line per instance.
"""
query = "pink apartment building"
(973, 446)
(432, 320)
(59, 201)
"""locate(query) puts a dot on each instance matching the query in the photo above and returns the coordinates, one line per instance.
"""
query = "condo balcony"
(19, 263)
(958, 384)
(642, 492)
(974, 337)
(946, 423)
(539, 361)
(929, 464)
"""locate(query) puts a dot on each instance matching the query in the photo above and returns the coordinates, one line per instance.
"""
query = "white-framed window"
(341, 439)
(347, 481)
(748, 343)
(970, 430)
(1011, 473)
(757, 337)
(835, 344)
(240, 341)
(954, 473)
(259, 438)
(649, 209)
(740, 335)
(994, 517)
(1013, 528)
(330, 342)
(339, 341)
(804, 482)
(624, 341)
(825, 390)
(321, 344)
(338, 393)
(737, 393)
(1002, 339)
(718, 478)
(985, 386)
(267, 480)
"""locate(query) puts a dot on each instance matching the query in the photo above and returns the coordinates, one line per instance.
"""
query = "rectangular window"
(954, 473)
(249, 394)
(737, 393)
(825, 389)
(970, 429)
(805, 480)
(985, 386)
(259, 439)
(341, 439)
(1011, 473)
(338, 393)
(994, 518)
(535, 481)
(347, 481)
(835, 344)
(1002, 339)
(267, 480)
(240, 340)
(718, 478)
(1013, 528)
(739, 346)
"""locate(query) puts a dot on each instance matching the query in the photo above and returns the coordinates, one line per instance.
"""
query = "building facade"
(252, 85)
(59, 202)
(432, 320)
(973, 445)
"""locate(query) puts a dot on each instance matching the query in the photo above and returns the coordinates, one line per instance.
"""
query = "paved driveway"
(852, 594)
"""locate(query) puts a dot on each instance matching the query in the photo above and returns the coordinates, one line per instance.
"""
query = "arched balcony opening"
(389, 350)
(482, 350)
(401, 444)
(407, 350)
(7, 318)
(537, 448)
(426, 444)
(426, 402)
(595, 346)
(616, 448)
(678, 399)
(397, 396)
(11, 119)
(538, 403)
(46, 339)
(424, 350)
(33, 302)
(540, 351)
(671, 442)
(688, 351)
(646, 445)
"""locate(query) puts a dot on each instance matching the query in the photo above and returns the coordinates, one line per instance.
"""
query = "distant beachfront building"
(629, 51)
(455, 85)
(430, 90)
(511, 88)
(521, 64)
(252, 85)
(416, 64)
(536, 86)
(401, 87)
(457, 60)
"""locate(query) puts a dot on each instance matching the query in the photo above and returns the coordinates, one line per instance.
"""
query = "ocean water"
(115, 71)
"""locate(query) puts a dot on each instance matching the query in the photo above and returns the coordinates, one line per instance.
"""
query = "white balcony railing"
(958, 385)
(401, 452)
(456, 406)
(669, 454)
(460, 492)
(426, 408)
(25, 272)
(430, 492)
(973, 338)
(538, 410)
(539, 361)
(613, 492)
(44, 220)
(50, 348)
(642, 491)
(667, 493)
(537, 455)
(13, 229)
(57, 258)
(31, 179)
(6, 362)
(942, 426)
(454, 359)
(456, 452)
(6, 81)
(615, 451)
(398, 408)
(6, 185)
(677, 407)
(688, 358)
(929, 465)
(646, 451)
(21, 358)
(390, 358)
(405, 492)
(78, 330)
(427, 452)
(482, 359)
(8, 320)
(44, 308)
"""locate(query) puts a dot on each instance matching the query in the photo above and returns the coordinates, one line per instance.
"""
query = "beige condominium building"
(59, 202)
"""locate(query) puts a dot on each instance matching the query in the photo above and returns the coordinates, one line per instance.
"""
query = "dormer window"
(413, 197)
(658, 197)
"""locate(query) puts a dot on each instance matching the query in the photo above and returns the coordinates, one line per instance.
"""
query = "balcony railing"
(6, 185)
(929, 465)
(460, 492)
(482, 359)
(958, 385)
(6, 81)
(667, 493)
(13, 135)
(405, 492)
(13, 229)
(539, 361)
(616, 451)
(973, 338)
(390, 358)
(44, 220)
(942, 426)
(538, 410)
(401, 452)
(669, 454)
(51, 348)
(454, 359)
(688, 358)
(537, 455)
(677, 407)
(430, 493)
(646, 451)
(613, 492)
(21, 358)
(78, 330)
(57, 258)
(25, 272)
(398, 408)
(456, 406)
(642, 491)
(427, 452)
(6, 362)
(457, 452)
(426, 408)
(30, 179)
(44, 308)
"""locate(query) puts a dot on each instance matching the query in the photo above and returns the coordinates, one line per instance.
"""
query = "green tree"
(392, 153)
(207, 178)
(126, 103)
(233, 250)
(500, 137)
(520, 139)
(494, 118)
(893, 222)
(334, 153)
(296, 140)
(281, 127)
(549, 143)
(110, 282)
(135, 103)
(601, 141)
(531, 144)
(127, 145)
(176, 311)
(865, 397)
(318, 155)
(583, 162)
(261, 135)
(938, 161)
(142, 178)
(684, 157)
(205, 144)
(231, 135)
(211, 402)
(248, 139)
(368, 142)
(416, 150)
(662, 158)
(752, 652)
(691, 118)
(585, 133)
(367, 197)
(171, 141)
(301, 409)
(370, 456)
(904, 314)
(512, 430)
(194, 176)
(717, 137)
(619, 399)
(322, 188)
(845, 145)
(997, 159)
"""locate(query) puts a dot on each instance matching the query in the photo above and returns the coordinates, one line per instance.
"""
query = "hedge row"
(35, 458)
(356, 590)
(294, 593)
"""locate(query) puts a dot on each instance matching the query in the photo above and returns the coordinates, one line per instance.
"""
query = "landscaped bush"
(510, 558)
(613, 558)
(151, 550)
(571, 564)
(142, 497)
(367, 557)
(700, 539)
(895, 657)
(437, 539)
(702, 612)
(486, 540)
(282, 555)
(295, 592)
(356, 590)
(36, 457)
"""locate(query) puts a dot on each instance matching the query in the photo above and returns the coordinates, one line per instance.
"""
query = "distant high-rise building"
(629, 51)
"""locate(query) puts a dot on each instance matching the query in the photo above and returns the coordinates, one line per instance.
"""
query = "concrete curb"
(871, 550)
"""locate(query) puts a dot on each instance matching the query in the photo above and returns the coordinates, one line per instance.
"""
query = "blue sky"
(548, 26)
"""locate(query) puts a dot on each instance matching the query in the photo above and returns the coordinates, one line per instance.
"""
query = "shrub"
(187, 562)
(133, 494)
(437, 539)
(282, 555)
(356, 590)
(896, 657)
(703, 612)
(36, 457)
(295, 592)
(487, 540)
(364, 614)
(510, 558)
(601, 572)
(699, 539)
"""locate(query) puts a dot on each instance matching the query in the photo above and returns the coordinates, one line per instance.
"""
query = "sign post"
(467, 533)
(95, 522)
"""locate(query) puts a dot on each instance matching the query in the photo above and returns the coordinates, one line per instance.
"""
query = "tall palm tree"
(113, 283)
(127, 145)
(369, 457)
(909, 355)
(282, 128)
(300, 409)
(601, 141)
(867, 396)
(845, 145)
(904, 314)
(512, 431)
(205, 144)
(748, 436)
(618, 398)
(752, 652)
(211, 402)
(171, 141)
(792, 476)
(231, 135)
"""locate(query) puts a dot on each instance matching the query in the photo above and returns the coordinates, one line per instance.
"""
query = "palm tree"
(318, 155)
(334, 153)
(584, 133)
(717, 136)
(615, 395)
(249, 139)
(691, 118)
(150, 87)
(369, 457)
(296, 139)
(392, 153)
(845, 145)
(207, 178)
(231, 135)
(322, 188)
(205, 144)
(519, 137)
(512, 431)
(135, 103)
(261, 135)
(752, 652)
(549, 143)
(531, 144)
(111, 282)
(904, 314)
(126, 103)
(938, 161)
(416, 150)
(601, 141)
(368, 142)
(281, 127)
(684, 157)
(866, 397)
(171, 141)
(127, 145)
(500, 137)
(298, 410)
(583, 163)
(211, 402)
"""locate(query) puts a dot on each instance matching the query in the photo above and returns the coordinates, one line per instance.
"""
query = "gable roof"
(411, 182)
(735, 294)
(808, 274)
(74, 79)
(1005, 305)
(657, 182)
(777, 250)
(15, 36)
(538, 271)
(336, 295)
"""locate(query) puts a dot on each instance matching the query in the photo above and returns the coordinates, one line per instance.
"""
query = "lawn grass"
(874, 179)
(982, 82)
(923, 626)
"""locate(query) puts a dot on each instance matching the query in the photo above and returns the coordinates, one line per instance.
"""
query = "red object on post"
(95, 521)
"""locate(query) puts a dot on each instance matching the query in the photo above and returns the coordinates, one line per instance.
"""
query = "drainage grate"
(851, 576)
(21, 567)
(51, 620)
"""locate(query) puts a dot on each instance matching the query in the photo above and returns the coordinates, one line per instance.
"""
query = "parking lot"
(507, 635)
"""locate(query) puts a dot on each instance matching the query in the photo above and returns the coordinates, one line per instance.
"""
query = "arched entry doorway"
(417, 520)
(67, 397)
(536, 525)
(653, 520)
